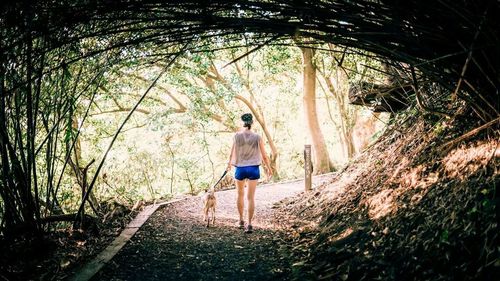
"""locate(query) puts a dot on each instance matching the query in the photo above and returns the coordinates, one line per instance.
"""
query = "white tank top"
(246, 149)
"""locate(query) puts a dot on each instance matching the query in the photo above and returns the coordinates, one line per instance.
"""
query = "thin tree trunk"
(338, 89)
(172, 155)
(32, 214)
(6, 192)
(341, 92)
(70, 149)
(321, 158)
(80, 172)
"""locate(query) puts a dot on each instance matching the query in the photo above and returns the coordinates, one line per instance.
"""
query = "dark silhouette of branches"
(450, 43)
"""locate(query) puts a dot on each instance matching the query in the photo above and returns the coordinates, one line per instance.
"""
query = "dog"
(209, 204)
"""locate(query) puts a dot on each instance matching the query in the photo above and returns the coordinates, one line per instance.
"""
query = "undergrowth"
(414, 206)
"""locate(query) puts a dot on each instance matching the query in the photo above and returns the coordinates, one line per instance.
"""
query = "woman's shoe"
(241, 225)
(249, 229)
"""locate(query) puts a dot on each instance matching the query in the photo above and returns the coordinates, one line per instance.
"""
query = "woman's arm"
(263, 153)
(230, 158)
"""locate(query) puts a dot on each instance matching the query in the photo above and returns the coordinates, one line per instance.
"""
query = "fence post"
(307, 167)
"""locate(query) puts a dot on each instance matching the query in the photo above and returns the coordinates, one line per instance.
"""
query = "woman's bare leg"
(240, 187)
(252, 184)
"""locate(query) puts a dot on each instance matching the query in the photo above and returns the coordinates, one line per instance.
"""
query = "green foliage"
(179, 139)
(444, 236)
(167, 151)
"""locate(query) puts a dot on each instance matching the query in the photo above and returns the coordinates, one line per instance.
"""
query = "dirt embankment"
(410, 207)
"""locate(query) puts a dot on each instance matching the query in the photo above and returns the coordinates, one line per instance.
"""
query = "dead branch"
(469, 134)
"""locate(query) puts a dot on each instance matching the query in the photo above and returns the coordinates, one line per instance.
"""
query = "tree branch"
(181, 107)
(123, 109)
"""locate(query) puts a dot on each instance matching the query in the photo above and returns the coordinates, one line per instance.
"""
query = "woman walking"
(247, 154)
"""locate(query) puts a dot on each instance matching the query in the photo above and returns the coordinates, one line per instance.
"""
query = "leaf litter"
(403, 210)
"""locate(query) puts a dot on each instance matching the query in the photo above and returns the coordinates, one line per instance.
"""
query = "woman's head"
(247, 119)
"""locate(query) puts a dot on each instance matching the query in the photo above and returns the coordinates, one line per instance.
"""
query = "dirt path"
(174, 243)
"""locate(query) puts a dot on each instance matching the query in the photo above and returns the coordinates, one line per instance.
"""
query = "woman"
(247, 154)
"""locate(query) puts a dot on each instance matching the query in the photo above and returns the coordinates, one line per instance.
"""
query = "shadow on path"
(174, 243)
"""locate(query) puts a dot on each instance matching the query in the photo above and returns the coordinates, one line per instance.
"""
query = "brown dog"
(209, 204)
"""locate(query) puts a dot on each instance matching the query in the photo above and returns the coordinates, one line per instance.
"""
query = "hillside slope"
(417, 205)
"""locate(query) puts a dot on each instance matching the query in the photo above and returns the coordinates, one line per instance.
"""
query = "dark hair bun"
(247, 118)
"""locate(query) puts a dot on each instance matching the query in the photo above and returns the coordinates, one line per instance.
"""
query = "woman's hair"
(247, 119)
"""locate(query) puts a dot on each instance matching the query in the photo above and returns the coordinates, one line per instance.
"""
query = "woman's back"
(246, 149)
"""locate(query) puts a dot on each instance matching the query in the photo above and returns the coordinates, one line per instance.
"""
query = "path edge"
(87, 271)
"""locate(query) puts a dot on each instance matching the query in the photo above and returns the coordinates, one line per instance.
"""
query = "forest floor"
(175, 244)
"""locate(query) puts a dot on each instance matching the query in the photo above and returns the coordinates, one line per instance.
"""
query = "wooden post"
(307, 167)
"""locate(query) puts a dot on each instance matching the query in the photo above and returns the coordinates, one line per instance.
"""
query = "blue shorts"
(248, 172)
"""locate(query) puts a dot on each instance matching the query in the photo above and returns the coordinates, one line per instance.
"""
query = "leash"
(223, 175)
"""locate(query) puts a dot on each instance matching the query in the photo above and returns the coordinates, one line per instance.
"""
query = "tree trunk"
(338, 87)
(321, 159)
(172, 157)
(340, 90)
(78, 169)
(364, 130)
